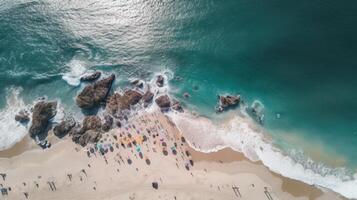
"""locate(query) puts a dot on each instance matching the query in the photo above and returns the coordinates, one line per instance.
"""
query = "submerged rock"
(117, 102)
(137, 83)
(64, 127)
(177, 106)
(42, 113)
(91, 77)
(256, 110)
(93, 94)
(163, 102)
(226, 102)
(22, 116)
(160, 81)
(186, 95)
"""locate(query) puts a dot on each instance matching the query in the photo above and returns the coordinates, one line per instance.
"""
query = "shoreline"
(224, 163)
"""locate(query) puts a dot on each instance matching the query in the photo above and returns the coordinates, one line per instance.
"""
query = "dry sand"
(189, 174)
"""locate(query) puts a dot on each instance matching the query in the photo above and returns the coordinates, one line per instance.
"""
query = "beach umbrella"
(155, 185)
(129, 161)
(187, 167)
(165, 152)
(183, 139)
(188, 153)
(174, 151)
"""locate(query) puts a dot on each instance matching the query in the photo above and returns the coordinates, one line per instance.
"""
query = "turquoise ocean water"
(297, 58)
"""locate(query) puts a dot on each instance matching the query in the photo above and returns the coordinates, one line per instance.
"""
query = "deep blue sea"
(297, 58)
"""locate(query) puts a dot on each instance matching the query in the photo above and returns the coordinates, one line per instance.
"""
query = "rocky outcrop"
(42, 113)
(90, 136)
(160, 81)
(93, 94)
(22, 116)
(117, 102)
(92, 122)
(177, 106)
(163, 102)
(137, 83)
(90, 132)
(64, 127)
(108, 123)
(147, 98)
(226, 102)
(91, 77)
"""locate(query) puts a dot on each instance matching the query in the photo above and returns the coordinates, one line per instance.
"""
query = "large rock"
(163, 102)
(22, 116)
(226, 102)
(42, 113)
(90, 131)
(90, 136)
(93, 94)
(92, 122)
(64, 127)
(160, 81)
(117, 102)
(91, 77)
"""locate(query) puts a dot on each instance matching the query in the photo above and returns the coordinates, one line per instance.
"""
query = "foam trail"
(241, 134)
(11, 131)
(77, 69)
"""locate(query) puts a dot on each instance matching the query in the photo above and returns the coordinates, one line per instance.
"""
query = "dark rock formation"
(91, 77)
(160, 81)
(163, 102)
(64, 127)
(108, 123)
(137, 83)
(117, 102)
(90, 136)
(90, 131)
(177, 106)
(22, 116)
(91, 123)
(147, 98)
(42, 113)
(93, 94)
(226, 102)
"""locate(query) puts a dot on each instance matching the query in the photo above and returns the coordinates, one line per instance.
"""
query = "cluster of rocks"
(93, 95)
(227, 102)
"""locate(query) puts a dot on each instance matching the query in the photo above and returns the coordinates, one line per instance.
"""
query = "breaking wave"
(11, 131)
(241, 133)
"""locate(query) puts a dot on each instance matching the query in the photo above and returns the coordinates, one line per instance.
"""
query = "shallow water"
(297, 59)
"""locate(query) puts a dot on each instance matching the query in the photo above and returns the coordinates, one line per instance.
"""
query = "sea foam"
(77, 68)
(242, 134)
(11, 131)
